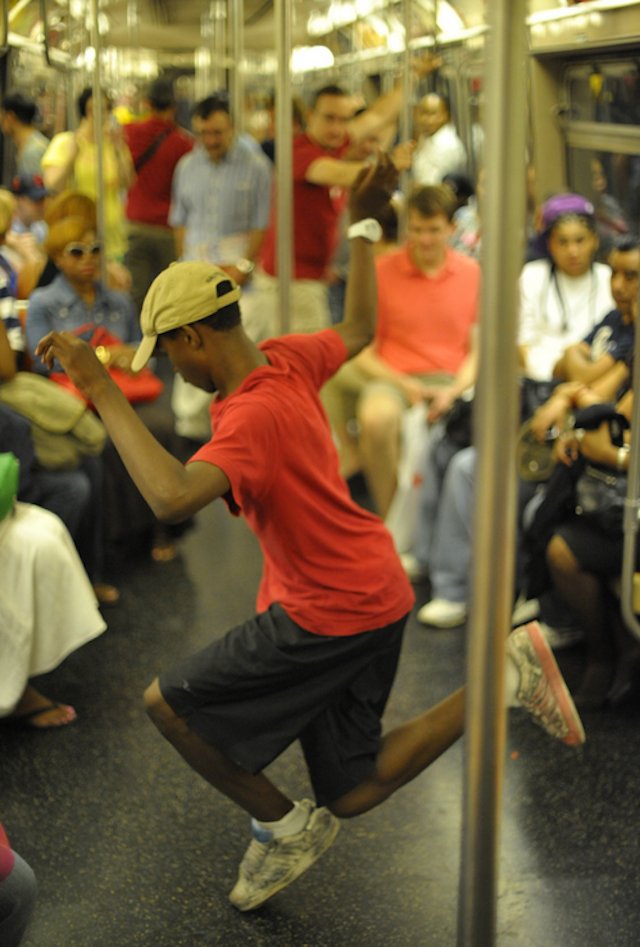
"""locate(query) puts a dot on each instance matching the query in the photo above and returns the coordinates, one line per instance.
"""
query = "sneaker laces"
(253, 858)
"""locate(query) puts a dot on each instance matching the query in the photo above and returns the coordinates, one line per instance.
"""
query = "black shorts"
(269, 682)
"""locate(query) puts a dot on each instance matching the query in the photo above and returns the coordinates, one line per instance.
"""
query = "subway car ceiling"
(344, 29)
(584, 60)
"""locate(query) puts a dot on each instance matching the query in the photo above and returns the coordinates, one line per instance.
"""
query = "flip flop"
(27, 720)
(107, 595)
(164, 552)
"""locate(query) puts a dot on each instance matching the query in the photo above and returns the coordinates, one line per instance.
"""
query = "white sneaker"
(542, 690)
(412, 567)
(525, 610)
(269, 866)
(443, 614)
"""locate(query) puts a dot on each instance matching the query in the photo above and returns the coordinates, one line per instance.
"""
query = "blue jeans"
(18, 894)
(443, 538)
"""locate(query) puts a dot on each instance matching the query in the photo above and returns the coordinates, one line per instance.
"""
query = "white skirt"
(47, 605)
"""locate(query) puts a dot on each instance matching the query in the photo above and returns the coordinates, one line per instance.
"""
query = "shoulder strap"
(151, 150)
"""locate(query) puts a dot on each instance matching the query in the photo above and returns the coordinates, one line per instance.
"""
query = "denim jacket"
(58, 307)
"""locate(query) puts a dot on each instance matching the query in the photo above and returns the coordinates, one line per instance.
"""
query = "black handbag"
(458, 423)
(601, 491)
(600, 496)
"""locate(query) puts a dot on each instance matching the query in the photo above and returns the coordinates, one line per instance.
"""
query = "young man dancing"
(318, 660)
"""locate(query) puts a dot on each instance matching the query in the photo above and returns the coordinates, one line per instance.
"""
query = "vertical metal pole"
(237, 88)
(632, 504)
(496, 425)
(406, 124)
(96, 100)
(284, 159)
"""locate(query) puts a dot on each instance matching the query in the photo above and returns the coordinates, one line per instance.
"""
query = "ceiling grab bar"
(237, 74)
(4, 23)
(45, 31)
(632, 504)
(284, 164)
(495, 424)
(96, 100)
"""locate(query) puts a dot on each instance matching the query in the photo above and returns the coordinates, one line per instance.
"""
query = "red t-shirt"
(424, 321)
(316, 210)
(331, 565)
(150, 194)
(6, 856)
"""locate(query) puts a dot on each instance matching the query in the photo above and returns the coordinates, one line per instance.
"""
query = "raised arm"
(370, 194)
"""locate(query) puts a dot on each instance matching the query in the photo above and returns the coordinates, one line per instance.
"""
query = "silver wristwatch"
(369, 228)
(244, 266)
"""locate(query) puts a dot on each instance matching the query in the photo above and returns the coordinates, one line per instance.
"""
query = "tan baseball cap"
(181, 294)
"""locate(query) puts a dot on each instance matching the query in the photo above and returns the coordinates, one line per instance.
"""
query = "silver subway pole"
(495, 421)
(632, 504)
(237, 87)
(406, 123)
(284, 159)
(96, 100)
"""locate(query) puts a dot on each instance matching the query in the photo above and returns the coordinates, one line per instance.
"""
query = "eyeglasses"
(78, 250)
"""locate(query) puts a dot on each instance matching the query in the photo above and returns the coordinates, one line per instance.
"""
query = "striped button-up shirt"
(220, 203)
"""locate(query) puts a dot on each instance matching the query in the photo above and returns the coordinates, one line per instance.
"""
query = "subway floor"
(132, 848)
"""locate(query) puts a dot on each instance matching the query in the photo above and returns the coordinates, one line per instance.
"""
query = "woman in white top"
(565, 295)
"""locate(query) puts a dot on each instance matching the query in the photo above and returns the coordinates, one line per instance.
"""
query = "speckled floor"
(131, 848)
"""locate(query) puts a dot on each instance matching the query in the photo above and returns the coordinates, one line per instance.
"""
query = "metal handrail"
(495, 429)
(96, 99)
(284, 159)
(5, 21)
(632, 503)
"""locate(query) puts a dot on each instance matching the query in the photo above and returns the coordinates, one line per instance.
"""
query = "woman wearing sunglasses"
(76, 296)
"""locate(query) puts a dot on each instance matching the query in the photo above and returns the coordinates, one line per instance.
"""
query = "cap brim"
(143, 352)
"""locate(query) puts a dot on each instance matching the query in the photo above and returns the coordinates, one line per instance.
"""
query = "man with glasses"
(220, 198)
(219, 212)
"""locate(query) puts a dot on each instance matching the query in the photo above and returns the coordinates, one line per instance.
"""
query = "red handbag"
(144, 386)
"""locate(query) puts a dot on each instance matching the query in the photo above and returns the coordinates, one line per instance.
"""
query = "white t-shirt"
(557, 310)
(439, 154)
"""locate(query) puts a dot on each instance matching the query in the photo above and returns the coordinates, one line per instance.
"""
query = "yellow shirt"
(84, 181)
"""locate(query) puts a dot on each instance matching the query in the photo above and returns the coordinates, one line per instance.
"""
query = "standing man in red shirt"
(318, 660)
(156, 146)
(320, 177)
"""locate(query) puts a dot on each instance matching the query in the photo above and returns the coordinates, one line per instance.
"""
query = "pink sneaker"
(542, 690)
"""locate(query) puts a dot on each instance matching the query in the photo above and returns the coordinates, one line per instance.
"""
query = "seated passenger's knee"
(560, 557)
(379, 418)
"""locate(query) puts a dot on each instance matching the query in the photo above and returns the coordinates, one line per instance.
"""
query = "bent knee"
(157, 707)
(560, 556)
(380, 416)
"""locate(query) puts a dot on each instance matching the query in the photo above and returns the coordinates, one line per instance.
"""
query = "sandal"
(164, 552)
(28, 720)
(107, 595)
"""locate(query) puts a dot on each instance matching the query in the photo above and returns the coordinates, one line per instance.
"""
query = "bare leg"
(404, 754)
(255, 794)
(583, 592)
(32, 701)
(380, 417)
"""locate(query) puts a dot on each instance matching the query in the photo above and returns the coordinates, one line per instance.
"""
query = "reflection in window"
(605, 92)
(612, 182)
